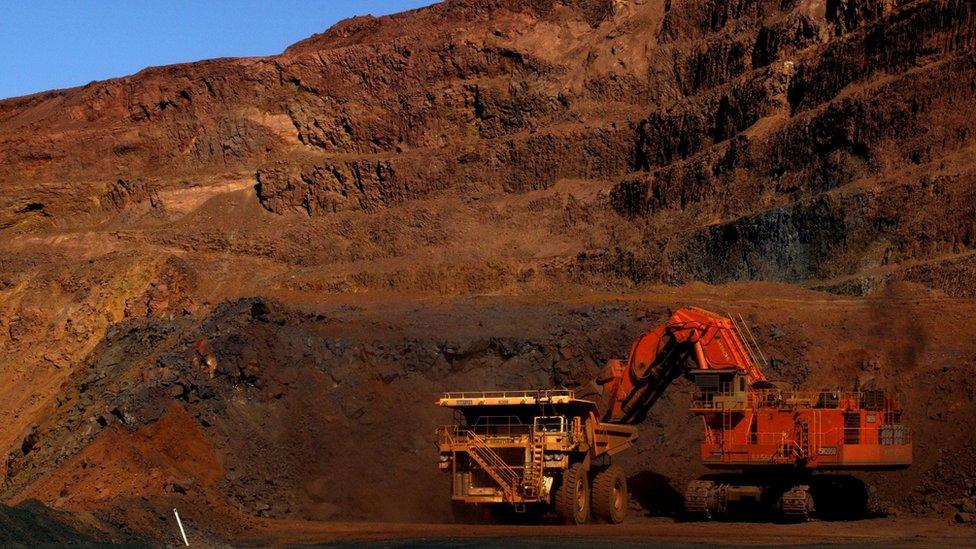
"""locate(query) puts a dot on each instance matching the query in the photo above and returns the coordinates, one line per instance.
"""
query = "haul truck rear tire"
(573, 496)
(610, 495)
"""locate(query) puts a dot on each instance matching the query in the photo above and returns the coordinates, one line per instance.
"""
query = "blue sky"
(48, 44)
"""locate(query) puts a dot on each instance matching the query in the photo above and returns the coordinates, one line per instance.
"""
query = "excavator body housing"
(746, 427)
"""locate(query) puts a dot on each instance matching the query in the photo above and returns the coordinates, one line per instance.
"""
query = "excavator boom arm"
(663, 353)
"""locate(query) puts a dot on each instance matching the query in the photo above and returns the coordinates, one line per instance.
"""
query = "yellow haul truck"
(533, 451)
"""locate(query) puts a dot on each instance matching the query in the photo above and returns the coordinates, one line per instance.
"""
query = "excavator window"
(707, 383)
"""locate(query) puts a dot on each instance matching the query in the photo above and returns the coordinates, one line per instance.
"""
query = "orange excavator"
(776, 437)
(555, 447)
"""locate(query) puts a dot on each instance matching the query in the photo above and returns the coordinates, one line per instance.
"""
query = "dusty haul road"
(636, 532)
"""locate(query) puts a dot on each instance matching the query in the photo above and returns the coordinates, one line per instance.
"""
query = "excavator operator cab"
(720, 389)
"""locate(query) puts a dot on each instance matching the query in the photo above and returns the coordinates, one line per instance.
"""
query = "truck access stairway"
(494, 465)
(532, 479)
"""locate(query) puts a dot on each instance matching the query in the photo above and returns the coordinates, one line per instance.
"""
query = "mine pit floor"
(639, 532)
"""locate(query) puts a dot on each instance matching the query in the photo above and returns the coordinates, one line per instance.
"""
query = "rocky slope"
(31, 524)
(224, 283)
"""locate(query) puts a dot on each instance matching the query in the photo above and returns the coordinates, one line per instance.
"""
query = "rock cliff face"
(277, 257)
(742, 140)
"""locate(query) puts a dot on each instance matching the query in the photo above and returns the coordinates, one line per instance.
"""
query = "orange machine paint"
(774, 436)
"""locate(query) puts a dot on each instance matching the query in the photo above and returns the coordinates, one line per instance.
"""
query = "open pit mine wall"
(748, 139)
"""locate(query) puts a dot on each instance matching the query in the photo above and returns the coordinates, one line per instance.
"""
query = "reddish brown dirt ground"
(237, 286)
(640, 532)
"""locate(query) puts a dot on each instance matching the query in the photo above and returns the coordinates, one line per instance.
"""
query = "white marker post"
(180, 523)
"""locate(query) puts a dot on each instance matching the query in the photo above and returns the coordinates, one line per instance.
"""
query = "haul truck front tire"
(573, 495)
